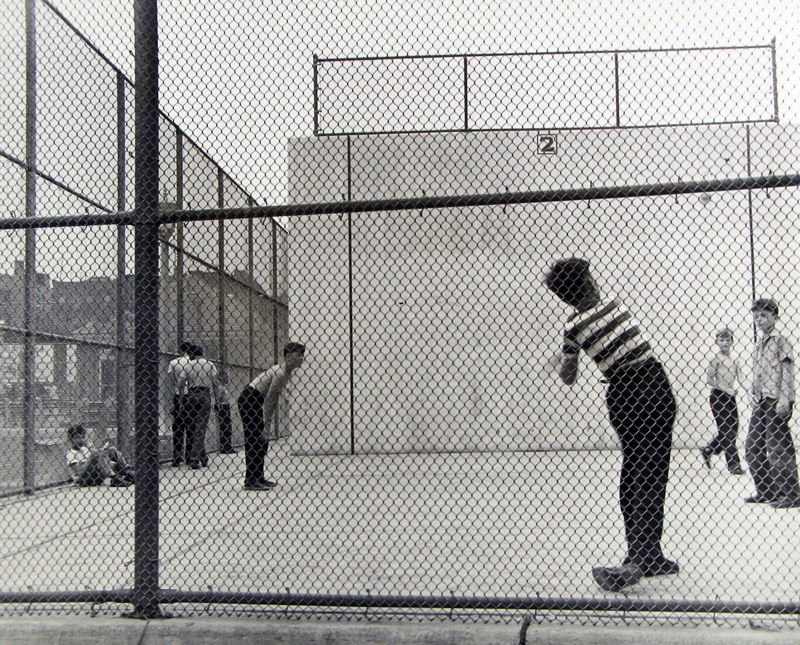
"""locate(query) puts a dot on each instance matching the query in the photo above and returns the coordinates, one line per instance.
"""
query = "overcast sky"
(237, 75)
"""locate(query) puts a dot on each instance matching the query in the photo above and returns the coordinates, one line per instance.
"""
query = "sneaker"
(175, 463)
(736, 471)
(663, 568)
(705, 455)
(757, 499)
(617, 578)
(229, 451)
(260, 486)
(119, 483)
(786, 502)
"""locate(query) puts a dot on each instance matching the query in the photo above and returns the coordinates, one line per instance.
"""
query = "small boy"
(722, 376)
(257, 402)
(90, 467)
(769, 449)
(641, 408)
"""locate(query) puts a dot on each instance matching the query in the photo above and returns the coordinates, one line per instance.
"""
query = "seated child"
(91, 467)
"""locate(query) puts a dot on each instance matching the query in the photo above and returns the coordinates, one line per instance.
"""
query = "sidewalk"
(83, 630)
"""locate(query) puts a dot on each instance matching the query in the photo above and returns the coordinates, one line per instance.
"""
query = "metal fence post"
(252, 285)
(123, 429)
(179, 268)
(221, 349)
(146, 591)
(29, 349)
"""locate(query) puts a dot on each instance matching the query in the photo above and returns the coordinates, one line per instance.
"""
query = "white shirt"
(176, 372)
(200, 372)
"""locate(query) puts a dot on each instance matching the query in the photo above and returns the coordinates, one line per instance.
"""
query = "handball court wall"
(430, 330)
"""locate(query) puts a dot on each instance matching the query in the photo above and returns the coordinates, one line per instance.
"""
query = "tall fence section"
(68, 294)
(426, 456)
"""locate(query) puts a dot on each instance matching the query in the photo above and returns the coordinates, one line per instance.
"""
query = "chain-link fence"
(493, 346)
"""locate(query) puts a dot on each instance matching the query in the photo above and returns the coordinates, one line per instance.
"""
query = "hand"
(554, 362)
(783, 409)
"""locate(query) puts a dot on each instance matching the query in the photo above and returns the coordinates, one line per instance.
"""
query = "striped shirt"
(610, 336)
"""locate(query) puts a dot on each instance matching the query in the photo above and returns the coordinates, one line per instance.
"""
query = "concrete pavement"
(84, 630)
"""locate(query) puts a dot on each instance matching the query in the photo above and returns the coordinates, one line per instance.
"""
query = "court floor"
(487, 524)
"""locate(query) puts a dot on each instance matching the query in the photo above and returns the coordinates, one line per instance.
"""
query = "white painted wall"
(451, 324)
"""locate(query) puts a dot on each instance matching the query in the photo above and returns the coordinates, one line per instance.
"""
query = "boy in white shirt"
(259, 402)
(722, 376)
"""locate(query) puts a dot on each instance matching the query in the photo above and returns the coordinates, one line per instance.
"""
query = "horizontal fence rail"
(414, 203)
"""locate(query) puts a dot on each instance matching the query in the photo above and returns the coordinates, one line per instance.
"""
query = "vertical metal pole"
(29, 349)
(179, 299)
(616, 85)
(146, 381)
(275, 338)
(774, 83)
(251, 285)
(350, 298)
(223, 354)
(316, 96)
(466, 96)
(751, 229)
(123, 431)
(275, 353)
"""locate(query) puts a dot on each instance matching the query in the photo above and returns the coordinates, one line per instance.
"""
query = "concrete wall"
(451, 326)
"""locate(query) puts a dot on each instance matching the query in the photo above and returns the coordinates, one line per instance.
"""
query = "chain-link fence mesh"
(407, 403)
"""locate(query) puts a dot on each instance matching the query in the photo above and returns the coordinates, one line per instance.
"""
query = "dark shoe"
(119, 483)
(786, 502)
(617, 578)
(705, 455)
(229, 451)
(663, 568)
(757, 499)
(736, 471)
(176, 462)
(194, 465)
(259, 486)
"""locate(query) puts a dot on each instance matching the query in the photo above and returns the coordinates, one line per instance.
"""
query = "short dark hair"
(725, 332)
(76, 430)
(195, 351)
(569, 280)
(185, 347)
(294, 348)
(765, 304)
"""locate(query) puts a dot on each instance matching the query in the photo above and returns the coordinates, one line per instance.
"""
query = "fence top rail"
(409, 203)
(584, 52)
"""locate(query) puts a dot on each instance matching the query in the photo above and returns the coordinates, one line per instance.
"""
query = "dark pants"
(642, 410)
(726, 416)
(104, 463)
(179, 426)
(256, 445)
(769, 452)
(198, 410)
(225, 427)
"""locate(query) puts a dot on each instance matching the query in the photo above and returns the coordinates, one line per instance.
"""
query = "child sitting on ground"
(91, 467)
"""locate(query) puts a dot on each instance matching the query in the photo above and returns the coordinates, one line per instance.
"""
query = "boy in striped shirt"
(641, 409)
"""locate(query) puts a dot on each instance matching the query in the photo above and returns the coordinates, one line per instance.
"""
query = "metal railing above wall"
(528, 91)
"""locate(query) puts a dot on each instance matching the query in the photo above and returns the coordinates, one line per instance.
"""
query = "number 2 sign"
(546, 144)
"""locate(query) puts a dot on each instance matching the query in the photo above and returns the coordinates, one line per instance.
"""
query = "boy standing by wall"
(769, 449)
(722, 376)
(257, 402)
